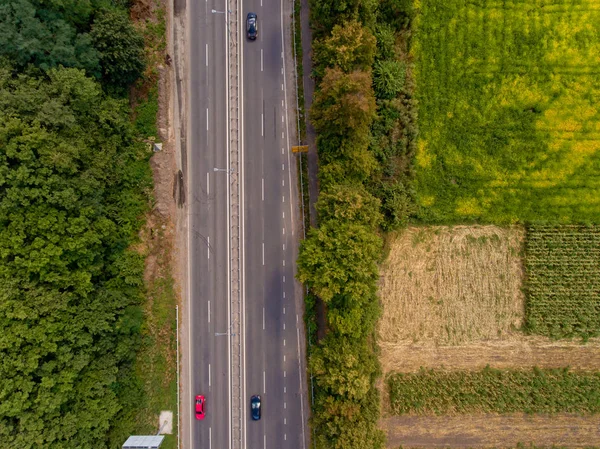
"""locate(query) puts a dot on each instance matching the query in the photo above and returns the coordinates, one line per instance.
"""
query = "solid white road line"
(287, 124)
(300, 382)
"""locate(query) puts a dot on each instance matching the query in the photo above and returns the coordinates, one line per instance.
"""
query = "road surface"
(273, 355)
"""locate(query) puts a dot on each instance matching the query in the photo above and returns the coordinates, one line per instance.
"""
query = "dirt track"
(491, 431)
(518, 352)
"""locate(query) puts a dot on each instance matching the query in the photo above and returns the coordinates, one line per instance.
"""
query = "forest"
(74, 186)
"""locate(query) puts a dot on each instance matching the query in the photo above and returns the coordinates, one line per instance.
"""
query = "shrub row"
(357, 73)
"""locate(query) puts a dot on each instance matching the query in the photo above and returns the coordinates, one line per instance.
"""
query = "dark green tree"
(121, 48)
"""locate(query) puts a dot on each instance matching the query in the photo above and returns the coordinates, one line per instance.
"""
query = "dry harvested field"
(452, 299)
(491, 431)
(452, 285)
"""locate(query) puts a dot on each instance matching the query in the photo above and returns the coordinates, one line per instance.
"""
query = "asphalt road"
(274, 336)
(273, 319)
(208, 225)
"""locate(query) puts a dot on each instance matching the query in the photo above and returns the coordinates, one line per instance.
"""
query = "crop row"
(494, 391)
(563, 280)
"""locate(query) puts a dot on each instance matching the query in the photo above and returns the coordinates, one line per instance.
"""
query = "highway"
(273, 335)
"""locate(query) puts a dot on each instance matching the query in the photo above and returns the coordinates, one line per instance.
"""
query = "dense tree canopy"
(71, 181)
(31, 34)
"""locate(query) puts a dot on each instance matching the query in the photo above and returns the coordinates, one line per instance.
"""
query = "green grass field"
(494, 391)
(563, 281)
(508, 110)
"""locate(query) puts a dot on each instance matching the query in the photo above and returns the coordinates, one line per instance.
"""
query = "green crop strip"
(494, 391)
(563, 280)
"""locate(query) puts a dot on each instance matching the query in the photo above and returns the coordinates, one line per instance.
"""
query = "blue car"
(255, 407)
(251, 26)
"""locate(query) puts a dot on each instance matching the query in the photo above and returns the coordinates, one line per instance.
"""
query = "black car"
(255, 407)
(252, 25)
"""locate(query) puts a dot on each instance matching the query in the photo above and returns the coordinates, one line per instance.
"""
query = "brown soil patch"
(452, 285)
(491, 431)
(521, 352)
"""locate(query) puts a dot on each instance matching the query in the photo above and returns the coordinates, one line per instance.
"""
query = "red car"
(200, 406)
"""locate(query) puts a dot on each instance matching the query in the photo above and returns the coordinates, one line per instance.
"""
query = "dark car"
(255, 407)
(200, 406)
(251, 26)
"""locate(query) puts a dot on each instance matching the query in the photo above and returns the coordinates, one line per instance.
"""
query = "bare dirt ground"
(517, 352)
(452, 285)
(491, 431)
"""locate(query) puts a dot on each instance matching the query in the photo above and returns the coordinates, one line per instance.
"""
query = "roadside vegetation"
(76, 185)
(363, 116)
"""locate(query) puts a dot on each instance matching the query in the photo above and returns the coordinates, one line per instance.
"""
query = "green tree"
(339, 258)
(389, 77)
(325, 14)
(70, 201)
(344, 366)
(350, 47)
(386, 41)
(349, 203)
(342, 423)
(344, 105)
(121, 48)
